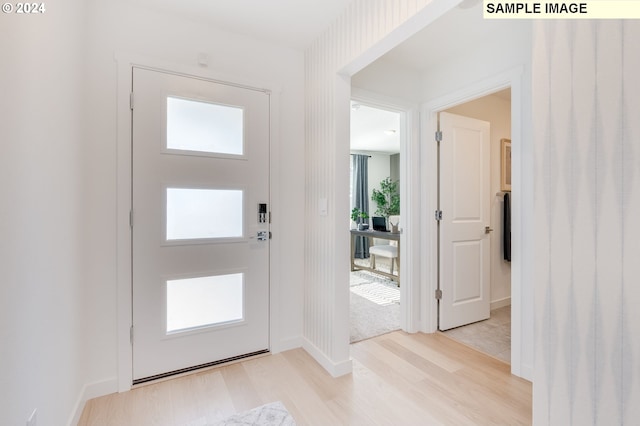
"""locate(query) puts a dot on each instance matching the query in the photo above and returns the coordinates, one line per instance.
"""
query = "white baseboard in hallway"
(90, 391)
(500, 303)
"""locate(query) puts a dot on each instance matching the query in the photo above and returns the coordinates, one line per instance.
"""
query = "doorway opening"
(374, 190)
(493, 334)
(439, 73)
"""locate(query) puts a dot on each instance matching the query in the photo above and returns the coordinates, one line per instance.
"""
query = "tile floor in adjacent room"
(491, 336)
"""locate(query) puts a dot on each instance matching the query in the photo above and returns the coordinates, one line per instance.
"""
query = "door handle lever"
(488, 229)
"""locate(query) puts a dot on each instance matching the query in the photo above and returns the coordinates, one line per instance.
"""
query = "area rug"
(274, 414)
(374, 306)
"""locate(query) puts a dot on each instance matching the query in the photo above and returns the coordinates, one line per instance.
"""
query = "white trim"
(526, 372)
(501, 303)
(276, 222)
(125, 62)
(286, 344)
(335, 369)
(410, 171)
(510, 78)
(90, 391)
(123, 229)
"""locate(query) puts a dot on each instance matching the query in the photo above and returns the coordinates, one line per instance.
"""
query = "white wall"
(587, 175)
(483, 59)
(42, 331)
(399, 82)
(121, 28)
(363, 33)
(497, 112)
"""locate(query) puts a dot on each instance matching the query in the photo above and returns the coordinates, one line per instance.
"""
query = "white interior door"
(464, 202)
(200, 270)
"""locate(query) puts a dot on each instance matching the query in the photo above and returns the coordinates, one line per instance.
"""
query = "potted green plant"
(358, 216)
(387, 198)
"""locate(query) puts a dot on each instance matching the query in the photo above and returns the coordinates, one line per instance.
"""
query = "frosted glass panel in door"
(204, 301)
(204, 127)
(204, 213)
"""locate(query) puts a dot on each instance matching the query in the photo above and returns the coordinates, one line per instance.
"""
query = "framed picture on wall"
(505, 164)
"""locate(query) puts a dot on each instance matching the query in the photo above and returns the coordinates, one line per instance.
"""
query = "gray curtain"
(360, 189)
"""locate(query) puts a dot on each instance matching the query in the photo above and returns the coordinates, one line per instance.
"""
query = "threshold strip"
(197, 367)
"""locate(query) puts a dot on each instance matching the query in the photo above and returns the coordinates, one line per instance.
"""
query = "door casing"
(409, 244)
(510, 78)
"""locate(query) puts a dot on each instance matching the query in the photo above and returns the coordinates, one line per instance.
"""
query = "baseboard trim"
(501, 303)
(287, 345)
(526, 372)
(333, 368)
(90, 391)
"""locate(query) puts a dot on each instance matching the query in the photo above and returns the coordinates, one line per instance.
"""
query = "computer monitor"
(379, 223)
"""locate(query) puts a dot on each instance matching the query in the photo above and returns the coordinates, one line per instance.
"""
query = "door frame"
(125, 63)
(511, 78)
(409, 245)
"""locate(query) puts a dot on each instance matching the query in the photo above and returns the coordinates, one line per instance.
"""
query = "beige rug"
(374, 306)
(492, 336)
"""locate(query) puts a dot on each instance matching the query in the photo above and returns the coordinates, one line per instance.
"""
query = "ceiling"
(374, 129)
(297, 23)
(292, 23)
(455, 34)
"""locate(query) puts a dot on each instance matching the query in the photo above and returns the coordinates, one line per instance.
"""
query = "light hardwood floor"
(397, 379)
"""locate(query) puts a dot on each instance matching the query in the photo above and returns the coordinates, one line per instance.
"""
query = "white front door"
(464, 233)
(200, 241)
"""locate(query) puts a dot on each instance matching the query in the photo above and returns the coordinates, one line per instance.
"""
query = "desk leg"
(353, 252)
(398, 263)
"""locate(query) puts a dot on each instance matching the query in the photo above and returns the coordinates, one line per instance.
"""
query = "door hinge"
(269, 217)
(131, 219)
(438, 215)
(131, 101)
(438, 135)
(270, 235)
(438, 294)
(131, 334)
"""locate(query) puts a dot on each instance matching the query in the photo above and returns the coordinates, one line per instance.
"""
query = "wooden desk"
(374, 234)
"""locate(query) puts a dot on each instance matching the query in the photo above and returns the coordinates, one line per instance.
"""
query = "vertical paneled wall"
(586, 103)
(363, 24)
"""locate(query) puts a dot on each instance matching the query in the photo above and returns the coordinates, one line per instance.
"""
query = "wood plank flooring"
(397, 379)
